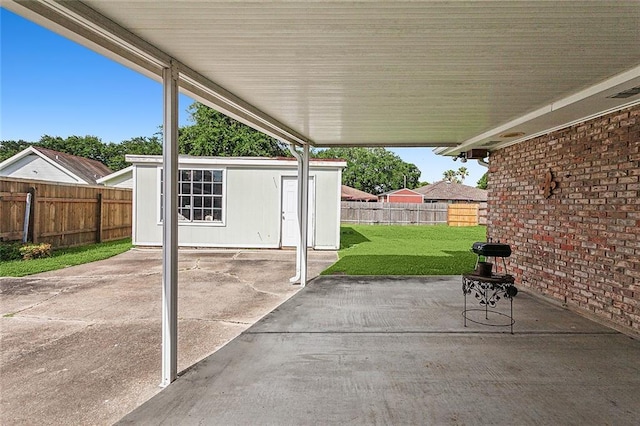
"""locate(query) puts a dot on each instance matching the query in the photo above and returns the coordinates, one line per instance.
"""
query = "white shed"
(242, 202)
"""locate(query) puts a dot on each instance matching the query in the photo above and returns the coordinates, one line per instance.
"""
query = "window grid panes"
(199, 195)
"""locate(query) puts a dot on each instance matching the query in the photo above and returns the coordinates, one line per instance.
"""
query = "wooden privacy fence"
(61, 214)
(393, 213)
(459, 214)
(462, 214)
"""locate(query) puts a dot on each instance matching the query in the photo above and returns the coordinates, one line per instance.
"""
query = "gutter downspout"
(482, 162)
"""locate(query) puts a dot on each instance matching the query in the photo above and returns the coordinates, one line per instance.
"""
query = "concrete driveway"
(83, 345)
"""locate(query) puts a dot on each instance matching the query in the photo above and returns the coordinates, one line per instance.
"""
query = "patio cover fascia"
(78, 21)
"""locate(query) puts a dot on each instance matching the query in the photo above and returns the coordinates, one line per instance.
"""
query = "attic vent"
(626, 94)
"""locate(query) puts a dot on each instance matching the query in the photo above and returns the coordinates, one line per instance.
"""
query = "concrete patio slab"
(82, 345)
(365, 350)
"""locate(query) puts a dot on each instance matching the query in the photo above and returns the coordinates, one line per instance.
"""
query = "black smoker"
(489, 249)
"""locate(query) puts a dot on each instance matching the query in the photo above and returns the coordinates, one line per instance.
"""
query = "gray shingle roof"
(352, 194)
(452, 191)
(84, 168)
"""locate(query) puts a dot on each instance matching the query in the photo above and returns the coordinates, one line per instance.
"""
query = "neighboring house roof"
(351, 194)
(404, 191)
(118, 178)
(83, 169)
(452, 191)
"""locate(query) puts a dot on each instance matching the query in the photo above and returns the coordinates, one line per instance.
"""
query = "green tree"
(11, 148)
(463, 173)
(214, 134)
(142, 145)
(451, 176)
(483, 182)
(455, 176)
(83, 146)
(373, 170)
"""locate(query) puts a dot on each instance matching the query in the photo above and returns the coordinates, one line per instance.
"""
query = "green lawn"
(63, 258)
(406, 250)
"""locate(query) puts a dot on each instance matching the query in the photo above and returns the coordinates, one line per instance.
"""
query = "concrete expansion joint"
(88, 323)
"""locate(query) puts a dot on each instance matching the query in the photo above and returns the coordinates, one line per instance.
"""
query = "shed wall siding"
(580, 246)
(34, 167)
(327, 214)
(253, 210)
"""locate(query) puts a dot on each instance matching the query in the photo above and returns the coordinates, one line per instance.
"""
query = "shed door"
(290, 212)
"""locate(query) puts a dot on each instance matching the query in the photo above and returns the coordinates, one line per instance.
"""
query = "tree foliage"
(214, 134)
(141, 145)
(112, 154)
(11, 148)
(374, 170)
(483, 181)
(455, 176)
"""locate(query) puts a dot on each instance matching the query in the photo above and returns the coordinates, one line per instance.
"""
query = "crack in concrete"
(53, 296)
(217, 320)
(257, 290)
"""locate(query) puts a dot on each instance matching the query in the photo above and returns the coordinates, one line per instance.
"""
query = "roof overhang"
(257, 162)
(450, 74)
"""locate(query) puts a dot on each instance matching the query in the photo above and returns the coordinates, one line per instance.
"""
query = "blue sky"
(50, 85)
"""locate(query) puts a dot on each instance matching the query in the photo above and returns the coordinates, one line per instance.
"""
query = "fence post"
(34, 229)
(99, 214)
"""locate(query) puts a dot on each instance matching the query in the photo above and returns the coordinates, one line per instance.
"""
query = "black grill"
(491, 249)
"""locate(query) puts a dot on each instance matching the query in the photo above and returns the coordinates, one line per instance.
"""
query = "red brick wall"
(581, 245)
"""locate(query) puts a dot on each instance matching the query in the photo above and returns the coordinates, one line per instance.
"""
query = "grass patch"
(406, 250)
(64, 258)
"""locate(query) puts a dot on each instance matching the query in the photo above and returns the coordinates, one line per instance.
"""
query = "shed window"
(200, 195)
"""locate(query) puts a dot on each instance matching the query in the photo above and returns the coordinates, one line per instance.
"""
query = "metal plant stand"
(488, 291)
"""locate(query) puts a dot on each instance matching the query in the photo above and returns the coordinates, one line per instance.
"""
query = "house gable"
(45, 164)
(33, 166)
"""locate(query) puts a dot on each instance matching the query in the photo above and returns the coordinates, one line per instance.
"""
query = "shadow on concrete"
(379, 350)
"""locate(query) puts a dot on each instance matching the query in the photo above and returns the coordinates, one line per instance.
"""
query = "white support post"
(298, 157)
(304, 214)
(170, 227)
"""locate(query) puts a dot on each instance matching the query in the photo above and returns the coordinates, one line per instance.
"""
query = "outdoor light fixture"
(472, 154)
(462, 156)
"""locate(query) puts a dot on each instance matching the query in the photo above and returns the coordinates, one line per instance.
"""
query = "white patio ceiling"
(450, 74)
